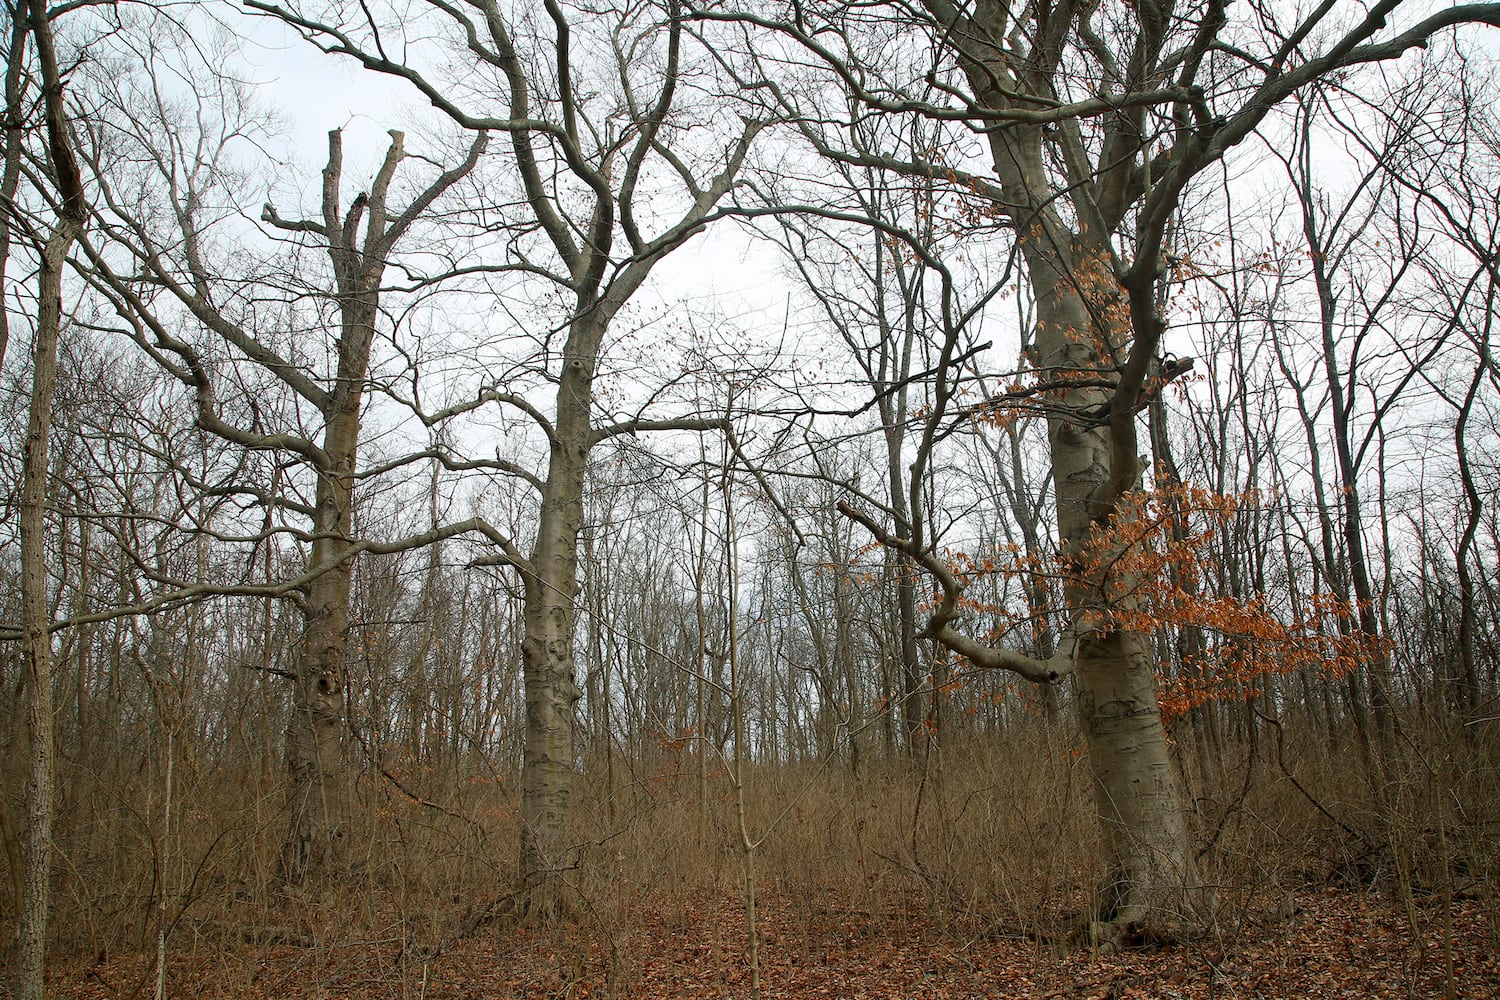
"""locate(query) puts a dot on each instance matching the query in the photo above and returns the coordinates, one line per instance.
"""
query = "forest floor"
(1318, 944)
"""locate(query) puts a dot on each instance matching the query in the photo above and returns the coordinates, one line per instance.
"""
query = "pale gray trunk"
(551, 587)
(1152, 884)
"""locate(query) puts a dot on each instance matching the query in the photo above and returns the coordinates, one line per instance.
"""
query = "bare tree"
(69, 210)
(361, 241)
(1096, 120)
(596, 149)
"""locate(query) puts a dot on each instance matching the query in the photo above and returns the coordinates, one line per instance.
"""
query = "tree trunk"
(551, 586)
(1151, 888)
(36, 637)
(913, 711)
(315, 729)
(15, 133)
(314, 738)
(547, 768)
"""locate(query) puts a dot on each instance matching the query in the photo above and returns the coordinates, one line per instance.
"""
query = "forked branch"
(939, 627)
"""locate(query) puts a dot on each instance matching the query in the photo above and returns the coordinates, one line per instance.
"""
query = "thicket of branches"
(659, 461)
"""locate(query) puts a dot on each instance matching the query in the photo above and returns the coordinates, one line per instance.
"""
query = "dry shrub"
(986, 834)
(988, 831)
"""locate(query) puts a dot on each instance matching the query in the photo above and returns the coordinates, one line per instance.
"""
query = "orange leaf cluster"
(1152, 570)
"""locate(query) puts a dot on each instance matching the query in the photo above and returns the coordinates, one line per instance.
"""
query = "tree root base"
(512, 910)
(1107, 936)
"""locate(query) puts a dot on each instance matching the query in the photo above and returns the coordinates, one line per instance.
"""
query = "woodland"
(866, 498)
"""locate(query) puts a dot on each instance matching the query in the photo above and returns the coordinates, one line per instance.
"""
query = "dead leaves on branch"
(1154, 569)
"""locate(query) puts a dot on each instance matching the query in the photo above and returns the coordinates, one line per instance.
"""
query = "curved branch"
(939, 625)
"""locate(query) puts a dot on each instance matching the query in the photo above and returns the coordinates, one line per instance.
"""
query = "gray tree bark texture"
(36, 638)
(359, 241)
(551, 586)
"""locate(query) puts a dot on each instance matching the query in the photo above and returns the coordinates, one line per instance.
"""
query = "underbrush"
(987, 838)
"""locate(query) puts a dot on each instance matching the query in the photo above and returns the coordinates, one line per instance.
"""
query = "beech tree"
(607, 186)
(189, 168)
(1096, 119)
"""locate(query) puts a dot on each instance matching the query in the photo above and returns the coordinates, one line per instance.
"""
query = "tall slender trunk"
(701, 659)
(1376, 659)
(844, 611)
(10, 172)
(893, 414)
(36, 636)
(912, 709)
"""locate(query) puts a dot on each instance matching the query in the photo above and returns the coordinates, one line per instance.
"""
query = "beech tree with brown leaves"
(1097, 118)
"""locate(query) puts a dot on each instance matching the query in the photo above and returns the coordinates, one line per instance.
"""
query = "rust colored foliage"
(1153, 569)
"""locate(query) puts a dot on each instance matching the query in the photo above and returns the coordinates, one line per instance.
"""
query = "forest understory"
(960, 876)
(659, 498)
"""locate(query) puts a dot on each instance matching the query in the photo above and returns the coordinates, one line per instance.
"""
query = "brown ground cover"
(1323, 942)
